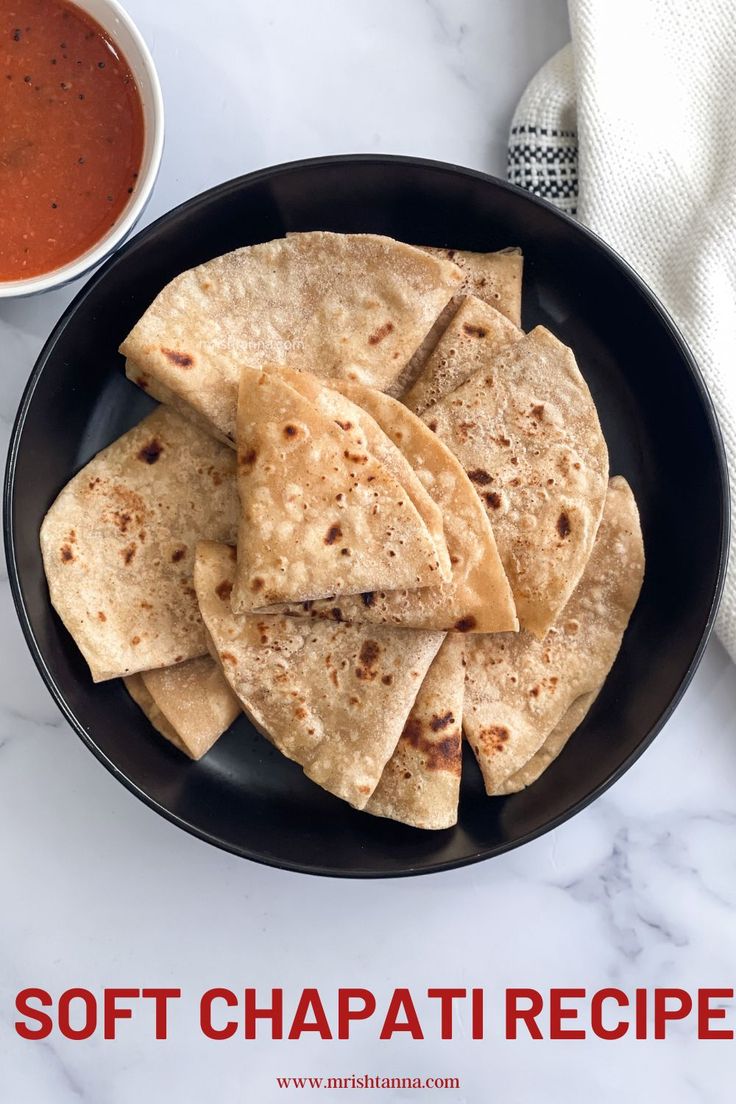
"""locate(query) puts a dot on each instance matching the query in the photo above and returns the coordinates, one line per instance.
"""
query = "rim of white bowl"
(130, 214)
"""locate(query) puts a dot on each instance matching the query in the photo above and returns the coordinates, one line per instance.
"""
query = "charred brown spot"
(247, 459)
(387, 680)
(150, 452)
(474, 331)
(66, 553)
(135, 640)
(178, 554)
(563, 525)
(438, 723)
(256, 584)
(216, 478)
(504, 442)
(336, 613)
(224, 589)
(364, 789)
(493, 500)
(478, 475)
(300, 712)
(493, 738)
(142, 382)
(433, 425)
(355, 457)
(441, 754)
(101, 616)
(465, 624)
(146, 605)
(538, 412)
(368, 597)
(344, 425)
(228, 657)
(534, 692)
(181, 360)
(333, 534)
(344, 551)
(291, 431)
(122, 519)
(380, 333)
(368, 655)
(129, 552)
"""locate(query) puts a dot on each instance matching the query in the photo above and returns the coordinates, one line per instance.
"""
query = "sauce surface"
(71, 135)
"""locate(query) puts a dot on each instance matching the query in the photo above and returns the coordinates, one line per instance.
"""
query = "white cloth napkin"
(633, 128)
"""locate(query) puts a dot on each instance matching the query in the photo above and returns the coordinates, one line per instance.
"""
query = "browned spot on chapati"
(441, 754)
(344, 425)
(336, 613)
(333, 534)
(387, 680)
(178, 554)
(228, 657)
(442, 721)
(135, 640)
(257, 584)
(538, 412)
(493, 500)
(563, 525)
(300, 712)
(291, 431)
(478, 475)
(369, 652)
(364, 789)
(122, 519)
(380, 333)
(129, 552)
(151, 451)
(66, 553)
(101, 616)
(248, 458)
(474, 331)
(465, 624)
(344, 551)
(223, 590)
(433, 425)
(181, 360)
(492, 739)
(368, 597)
(355, 457)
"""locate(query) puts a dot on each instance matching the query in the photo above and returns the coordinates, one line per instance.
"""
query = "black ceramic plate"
(656, 416)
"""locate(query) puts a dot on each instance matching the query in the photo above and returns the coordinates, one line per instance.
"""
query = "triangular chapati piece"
(518, 688)
(420, 784)
(476, 333)
(526, 430)
(493, 278)
(356, 305)
(477, 598)
(190, 704)
(333, 697)
(318, 516)
(553, 746)
(367, 436)
(118, 544)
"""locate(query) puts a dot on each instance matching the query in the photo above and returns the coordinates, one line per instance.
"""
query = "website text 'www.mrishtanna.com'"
(367, 1081)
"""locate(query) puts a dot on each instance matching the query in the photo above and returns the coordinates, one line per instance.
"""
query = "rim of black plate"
(204, 198)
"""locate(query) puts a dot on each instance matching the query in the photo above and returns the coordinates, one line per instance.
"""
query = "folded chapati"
(477, 598)
(526, 430)
(519, 688)
(476, 333)
(493, 278)
(352, 306)
(190, 704)
(420, 784)
(367, 436)
(552, 746)
(118, 544)
(319, 517)
(333, 697)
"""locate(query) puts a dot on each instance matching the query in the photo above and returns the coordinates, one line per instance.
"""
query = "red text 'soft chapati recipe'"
(71, 135)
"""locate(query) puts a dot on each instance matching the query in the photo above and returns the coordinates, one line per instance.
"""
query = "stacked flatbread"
(371, 513)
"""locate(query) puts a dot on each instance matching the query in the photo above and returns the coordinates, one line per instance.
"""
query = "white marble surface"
(639, 890)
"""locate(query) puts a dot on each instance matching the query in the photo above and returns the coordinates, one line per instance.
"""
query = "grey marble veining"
(638, 890)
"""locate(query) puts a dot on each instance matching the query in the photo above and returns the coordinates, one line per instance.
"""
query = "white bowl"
(124, 33)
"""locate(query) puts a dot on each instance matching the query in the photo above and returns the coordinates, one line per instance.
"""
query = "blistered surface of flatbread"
(196, 699)
(351, 306)
(518, 688)
(118, 544)
(318, 516)
(420, 784)
(478, 597)
(331, 696)
(494, 278)
(552, 746)
(367, 436)
(525, 428)
(476, 333)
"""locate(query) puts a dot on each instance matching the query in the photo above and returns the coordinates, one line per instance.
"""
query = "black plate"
(656, 416)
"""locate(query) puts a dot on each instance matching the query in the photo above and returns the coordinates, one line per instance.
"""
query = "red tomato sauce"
(71, 135)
